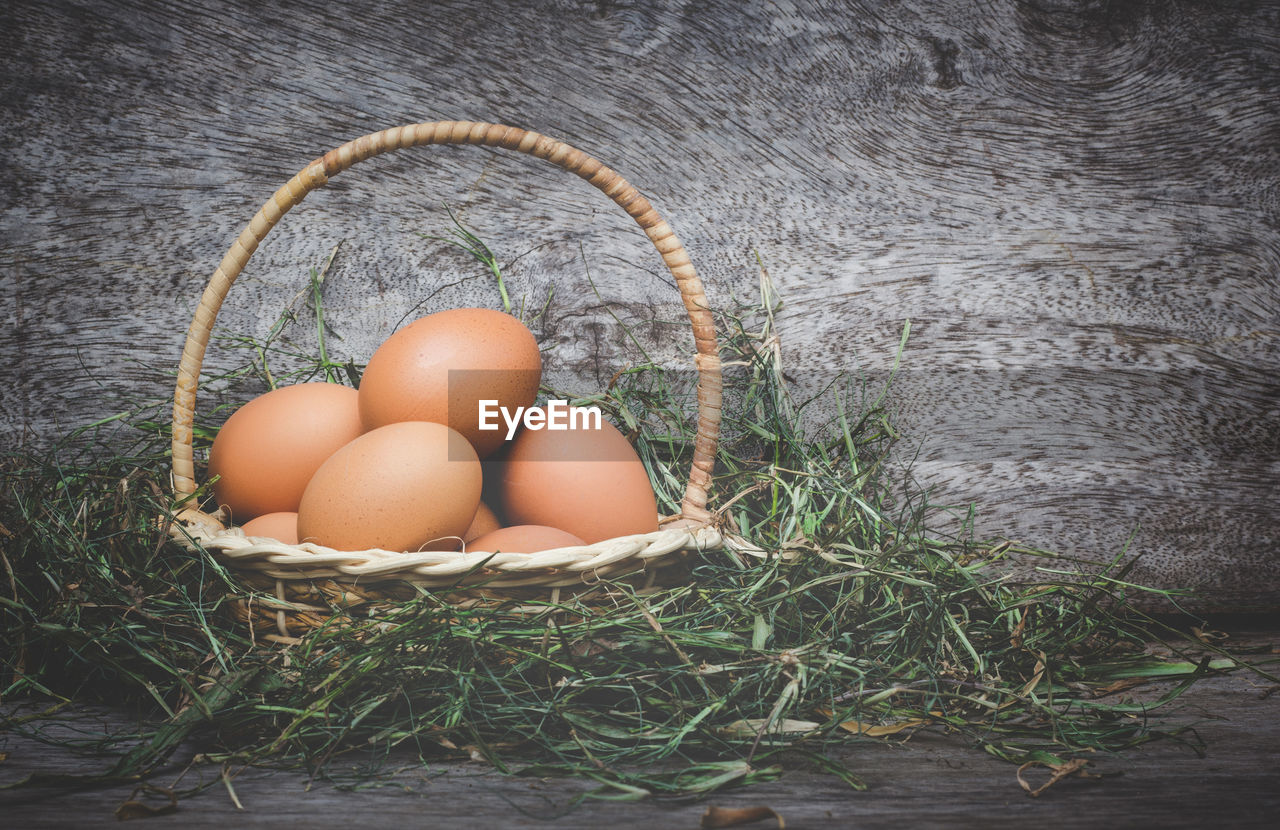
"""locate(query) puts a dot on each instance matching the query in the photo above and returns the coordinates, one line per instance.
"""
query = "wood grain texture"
(1075, 202)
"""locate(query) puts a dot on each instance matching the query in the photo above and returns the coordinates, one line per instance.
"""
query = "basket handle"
(318, 172)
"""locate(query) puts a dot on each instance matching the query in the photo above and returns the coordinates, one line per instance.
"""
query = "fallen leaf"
(857, 727)
(750, 727)
(1121, 685)
(1015, 637)
(1076, 766)
(734, 816)
(1208, 635)
(133, 808)
(872, 730)
(1037, 674)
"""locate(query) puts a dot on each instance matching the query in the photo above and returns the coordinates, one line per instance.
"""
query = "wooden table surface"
(928, 780)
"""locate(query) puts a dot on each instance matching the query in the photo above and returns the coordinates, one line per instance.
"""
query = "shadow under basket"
(309, 582)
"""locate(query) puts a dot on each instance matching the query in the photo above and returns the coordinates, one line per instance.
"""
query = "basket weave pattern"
(553, 568)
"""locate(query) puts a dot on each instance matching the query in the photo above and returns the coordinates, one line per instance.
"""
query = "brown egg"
(485, 521)
(524, 539)
(584, 480)
(266, 452)
(440, 367)
(408, 486)
(283, 527)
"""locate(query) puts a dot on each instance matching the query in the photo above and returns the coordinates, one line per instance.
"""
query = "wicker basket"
(310, 579)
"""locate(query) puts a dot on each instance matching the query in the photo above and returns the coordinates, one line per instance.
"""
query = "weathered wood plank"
(1073, 202)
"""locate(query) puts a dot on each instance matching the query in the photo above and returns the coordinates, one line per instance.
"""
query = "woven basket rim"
(562, 566)
(554, 567)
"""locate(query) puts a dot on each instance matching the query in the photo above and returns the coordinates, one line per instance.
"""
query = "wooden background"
(1075, 202)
